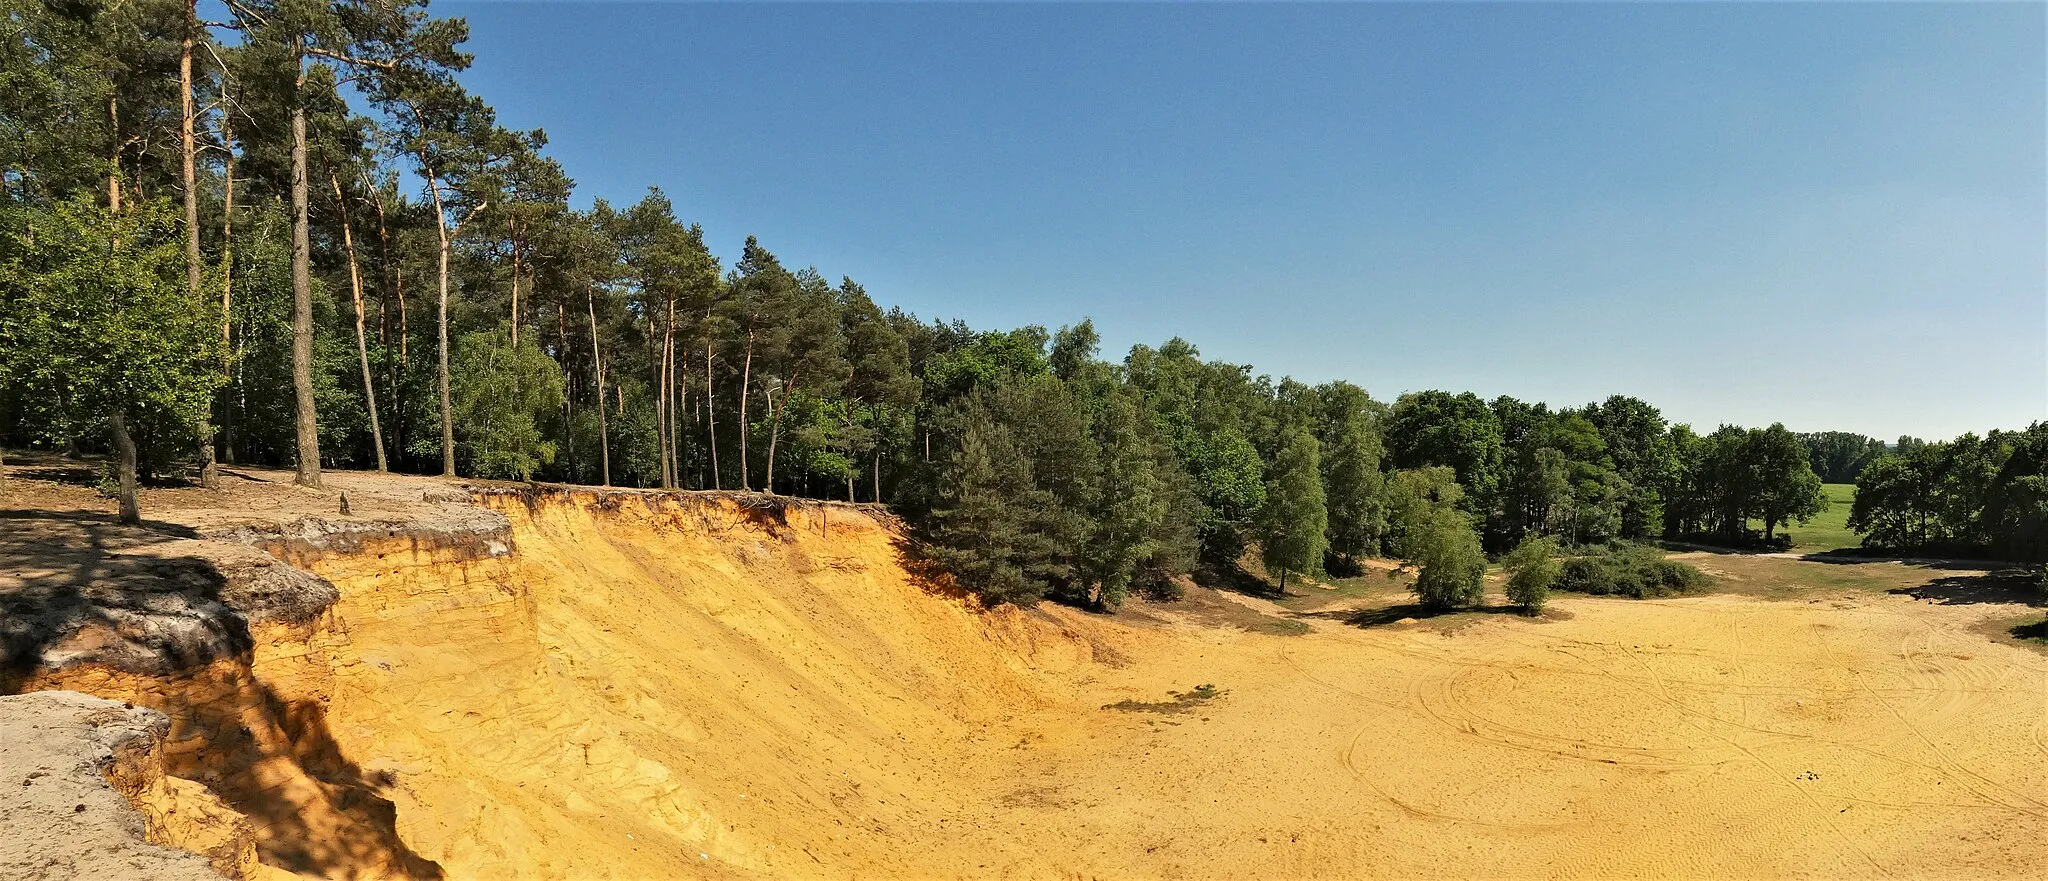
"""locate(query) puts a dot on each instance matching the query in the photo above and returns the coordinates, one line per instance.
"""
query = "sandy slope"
(637, 686)
(779, 701)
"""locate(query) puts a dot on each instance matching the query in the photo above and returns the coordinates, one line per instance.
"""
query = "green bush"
(1532, 568)
(1633, 571)
(1451, 568)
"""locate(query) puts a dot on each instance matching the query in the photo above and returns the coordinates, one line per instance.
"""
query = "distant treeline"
(206, 255)
(1838, 456)
(1973, 496)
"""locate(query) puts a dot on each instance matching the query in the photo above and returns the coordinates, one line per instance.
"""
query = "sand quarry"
(554, 683)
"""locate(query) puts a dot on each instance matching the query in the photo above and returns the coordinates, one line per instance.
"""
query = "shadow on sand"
(1415, 612)
(2011, 587)
(166, 639)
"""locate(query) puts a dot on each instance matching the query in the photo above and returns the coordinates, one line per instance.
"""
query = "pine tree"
(981, 528)
(1132, 506)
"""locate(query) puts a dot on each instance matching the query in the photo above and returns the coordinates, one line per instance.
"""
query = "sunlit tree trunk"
(711, 417)
(308, 418)
(227, 245)
(775, 427)
(514, 227)
(604, 443)
(746, 372)
(568, 387)
(209, 476)
(665, 395)
(441, 327)
(355, 287)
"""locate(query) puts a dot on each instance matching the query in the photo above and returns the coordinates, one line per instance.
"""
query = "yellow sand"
(677, 689)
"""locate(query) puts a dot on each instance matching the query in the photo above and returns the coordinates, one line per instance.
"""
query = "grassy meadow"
(1828, 530)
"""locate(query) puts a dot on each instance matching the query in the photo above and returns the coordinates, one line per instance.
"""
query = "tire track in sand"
(1686, 714)
(2028, 805)
(1348, 757)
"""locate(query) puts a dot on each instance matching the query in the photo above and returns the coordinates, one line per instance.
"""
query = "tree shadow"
(84, 471)
(1236, 579)
(63, 573)
(2035, 632)
(141, 620)
(2011, 587)
(243, 739)
(928, 574)
(1857, 556)
(1385, 615)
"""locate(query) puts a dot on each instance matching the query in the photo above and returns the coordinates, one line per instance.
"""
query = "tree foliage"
(1532, 568)
(401, 281)
(1450, 566)
(1294, 519)
(504, 394)
(1973, 496)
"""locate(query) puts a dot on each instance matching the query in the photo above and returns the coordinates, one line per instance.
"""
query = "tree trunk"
(209, 474)
(124, 449)
(227, 226)
(746, 371)
(683, 406)
(662, 420)
(355, 288)
(514, 228)
(604, 443)
(441, 368)
(878, 475)
(775, 424)
(227, 248)
(711, 418)
(394, 282)
(774, 433)
(679, 403)
(114, 158)
(697, 422)
(670, 378)
(568, 389)
(386, 289)
(302, 299)
(441, 322)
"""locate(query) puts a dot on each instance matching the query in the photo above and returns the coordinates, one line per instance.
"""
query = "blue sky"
(1835, 216)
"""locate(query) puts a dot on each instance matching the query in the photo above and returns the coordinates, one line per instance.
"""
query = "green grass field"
(1829, 530)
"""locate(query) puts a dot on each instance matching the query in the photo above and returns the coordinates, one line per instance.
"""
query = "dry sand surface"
(644, 686)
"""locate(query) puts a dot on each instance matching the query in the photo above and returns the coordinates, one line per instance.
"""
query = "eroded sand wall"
(620, 686)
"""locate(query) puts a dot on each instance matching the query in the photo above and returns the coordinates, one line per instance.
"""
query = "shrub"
(1532, 568)
(1452, 567)
(1633, 571)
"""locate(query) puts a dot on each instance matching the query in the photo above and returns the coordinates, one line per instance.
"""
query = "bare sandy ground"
(682, 687)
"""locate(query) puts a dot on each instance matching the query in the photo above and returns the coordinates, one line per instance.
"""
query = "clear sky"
(1834, 216)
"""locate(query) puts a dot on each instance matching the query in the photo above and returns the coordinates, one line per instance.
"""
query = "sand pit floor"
(1723, 736)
